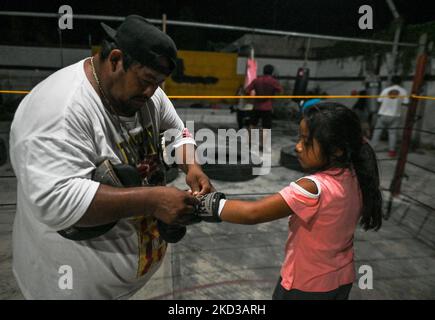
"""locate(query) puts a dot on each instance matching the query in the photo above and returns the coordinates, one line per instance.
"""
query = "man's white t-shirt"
(59, 133)
(391, 104)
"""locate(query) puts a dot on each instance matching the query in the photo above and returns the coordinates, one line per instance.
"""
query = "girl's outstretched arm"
(251, 212)
(214, 208)
(267, 209)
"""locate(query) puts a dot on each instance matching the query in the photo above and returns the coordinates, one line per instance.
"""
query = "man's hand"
(170, 204)
(198, 182)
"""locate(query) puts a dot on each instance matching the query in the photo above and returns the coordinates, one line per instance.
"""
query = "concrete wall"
(283, 67)
(40, 61)
(270, 45)
(40, 57)
(13, 79)
(5, 165)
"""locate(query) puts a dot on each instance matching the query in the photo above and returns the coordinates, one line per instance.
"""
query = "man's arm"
(195, 177)
(111, 204)
(186, 159)
(184, 145)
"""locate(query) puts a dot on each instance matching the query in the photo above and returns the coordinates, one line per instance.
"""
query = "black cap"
(144, 42)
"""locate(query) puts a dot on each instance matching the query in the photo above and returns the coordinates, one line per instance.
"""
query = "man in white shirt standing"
(389, 113)
(109, 106)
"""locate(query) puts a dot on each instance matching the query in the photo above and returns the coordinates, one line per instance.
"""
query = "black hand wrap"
(208, 207)
(120, 175)
(171, 233)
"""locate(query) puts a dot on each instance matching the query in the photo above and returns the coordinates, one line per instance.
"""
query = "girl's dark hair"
(338, 132)
(107, 46)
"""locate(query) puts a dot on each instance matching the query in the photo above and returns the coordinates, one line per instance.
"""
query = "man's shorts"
(264, 115)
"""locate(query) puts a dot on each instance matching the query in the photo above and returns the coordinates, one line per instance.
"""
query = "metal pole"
(393, 9)
(373, 86)
(251, 53)
(307, 51)
(60, 47)
(394, 52)
(164, 22)
(164, 30)
(409, 122)
(211, 26)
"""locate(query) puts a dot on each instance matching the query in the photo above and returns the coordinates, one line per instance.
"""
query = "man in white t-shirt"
(110, 107)
(389, 113)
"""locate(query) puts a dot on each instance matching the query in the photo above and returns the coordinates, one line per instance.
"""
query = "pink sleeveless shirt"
(319, 249)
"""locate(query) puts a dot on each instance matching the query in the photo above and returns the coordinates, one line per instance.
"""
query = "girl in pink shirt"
(324, 207)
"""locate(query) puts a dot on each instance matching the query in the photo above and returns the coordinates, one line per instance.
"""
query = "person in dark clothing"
(265, 85)
(243, 110)
(361, 108)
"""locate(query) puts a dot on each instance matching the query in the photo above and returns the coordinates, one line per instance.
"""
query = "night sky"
(339, 17)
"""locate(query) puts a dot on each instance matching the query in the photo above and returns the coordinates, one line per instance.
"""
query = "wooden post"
(416, 140)
(409, 122)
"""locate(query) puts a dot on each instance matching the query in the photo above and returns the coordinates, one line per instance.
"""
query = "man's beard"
(130, 107)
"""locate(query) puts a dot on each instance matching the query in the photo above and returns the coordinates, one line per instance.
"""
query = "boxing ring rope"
(218, 97)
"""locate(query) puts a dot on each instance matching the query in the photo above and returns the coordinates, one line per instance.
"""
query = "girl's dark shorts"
(341, 293)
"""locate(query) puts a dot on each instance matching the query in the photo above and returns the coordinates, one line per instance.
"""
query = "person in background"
(243, 110)
(392, 98)
(265, 85)
(361, 108)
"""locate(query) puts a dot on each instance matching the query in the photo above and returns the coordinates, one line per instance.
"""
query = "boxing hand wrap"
(171, 233)
(208, 207)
